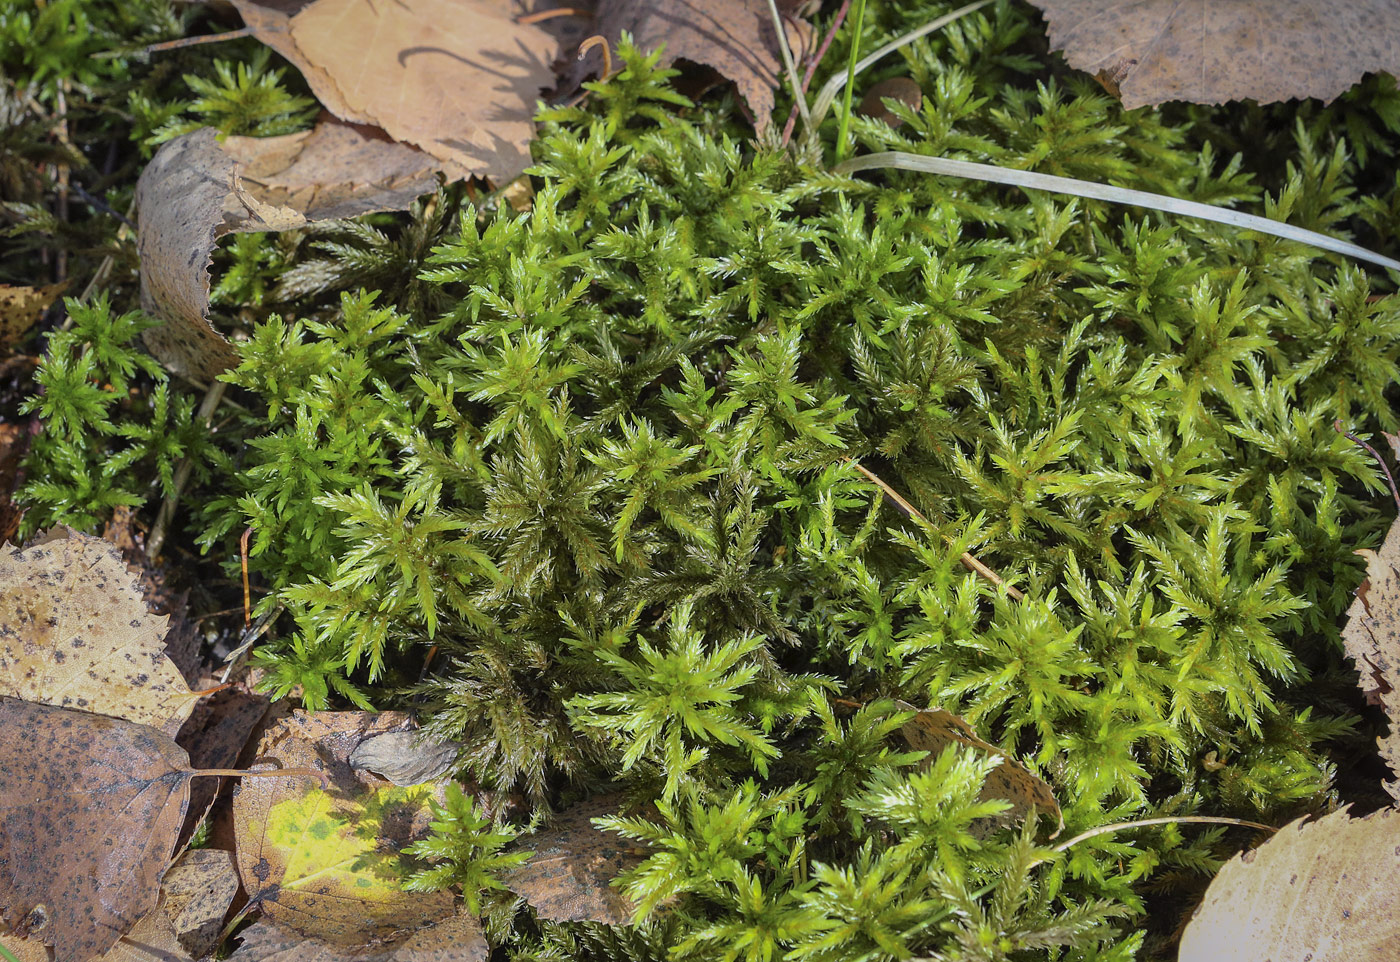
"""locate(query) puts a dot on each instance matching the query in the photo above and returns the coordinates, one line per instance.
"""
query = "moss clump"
(600, 455)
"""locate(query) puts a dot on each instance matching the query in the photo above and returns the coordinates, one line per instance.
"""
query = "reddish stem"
(812, 65)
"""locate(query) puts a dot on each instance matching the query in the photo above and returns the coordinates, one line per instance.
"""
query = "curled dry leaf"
(736, 37)
(1208, 52)
(91, 809)
(405, 757)
(568, 878)
(1323, 891)
(457, 78)
(21, 307)
(1372, 639)
(75, 632)
(324, 862)
(933, 729)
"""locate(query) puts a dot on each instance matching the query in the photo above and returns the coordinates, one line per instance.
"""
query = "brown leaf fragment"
(75, 632)
(1326, 891)
(457, 78)
(198, 890)
(1372, 639)
(14, 445)
(181, 196)
(567, 879)
(89, 809)
(337, 170)
(1209, 52)
(736, 37)
(455, 939)
(405, 757)
(933, 729)
(150, 941)
(26, 950)
(895, 88)
(20, 309)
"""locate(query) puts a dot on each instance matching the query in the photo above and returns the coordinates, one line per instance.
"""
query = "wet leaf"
(1323, 891)
(1372, 639)
(75, 632)
(933, 729)
(324, 862)
(456, 78)
(91, 806)
(568, 878)
(1208, 52)
(736, 37)
(405, 757)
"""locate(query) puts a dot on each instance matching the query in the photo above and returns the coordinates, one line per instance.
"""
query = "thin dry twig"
(1395, 493)
(1165, 820)
(812, 65)
(598, 40)
(969, 562)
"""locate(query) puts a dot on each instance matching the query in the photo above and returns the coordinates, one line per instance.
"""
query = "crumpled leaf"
(1372, 639)
(90, 808)
(407, 757)
(75, 632)
(457, 939)
(933, 729)
(21, 307)
(198, 890)
(567, 879)
(736, 37)
(1208, 52)
(324, 863)
(1323, 891)
(457, 78)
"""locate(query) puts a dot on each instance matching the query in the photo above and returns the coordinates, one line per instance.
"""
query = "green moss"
(599, 455)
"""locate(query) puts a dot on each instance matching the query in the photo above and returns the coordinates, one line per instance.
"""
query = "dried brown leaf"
(75, 632)
(1327, 891)
(215, 736)
(20, 309)
(1372, 639)
(14, 445)
(324, 862)
(736, 37)
(198, 890)
(567, 879)
(91, 806)
(457, 78)
(1209, 52)
(933, 729)
(456, 939)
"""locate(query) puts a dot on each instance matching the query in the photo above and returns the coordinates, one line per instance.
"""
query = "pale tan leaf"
(1210, 52)
(1327, 891)
(21, 307)
(405, 757)
(933, 729)
(75, 632)
(457, 78)
(197, 892)
(1372, 639)
(455, 939)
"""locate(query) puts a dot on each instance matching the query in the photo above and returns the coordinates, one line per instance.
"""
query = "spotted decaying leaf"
(735, 37)
(215, 736)
(1372, 639)
(567, 879)
(91, 808)
(933, 729)
(457, 939)
(406, 757)
(198, 890)
(322, 861)
(1325, 891)
(21, 307)
(75, 632)
(1206, 51)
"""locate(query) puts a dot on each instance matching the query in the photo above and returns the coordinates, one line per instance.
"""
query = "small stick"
(1206, 819)
(539, 16)
(969, 562)
(177, 44)
(247, 595)
(250, 635)
(797, 93)
(182, 476)
(1337, 426)
(812, 66)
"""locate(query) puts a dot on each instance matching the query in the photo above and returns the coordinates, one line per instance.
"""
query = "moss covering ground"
(600, 456)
